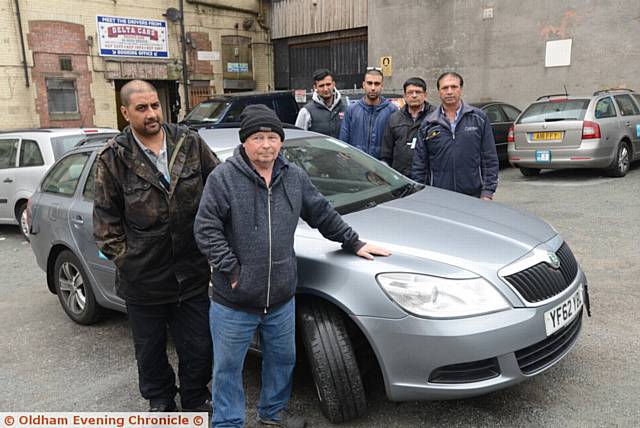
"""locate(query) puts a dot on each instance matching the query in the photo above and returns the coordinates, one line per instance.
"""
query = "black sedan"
(501, 116)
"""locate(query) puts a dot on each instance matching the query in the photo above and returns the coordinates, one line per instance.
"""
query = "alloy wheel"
(72, 288)
(623, 159)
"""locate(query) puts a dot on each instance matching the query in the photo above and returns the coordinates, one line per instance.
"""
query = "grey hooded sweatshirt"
(246, 231)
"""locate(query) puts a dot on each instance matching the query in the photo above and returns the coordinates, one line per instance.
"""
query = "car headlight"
(436, 297)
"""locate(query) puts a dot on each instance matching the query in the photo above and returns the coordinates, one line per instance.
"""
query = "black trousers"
(189, 326)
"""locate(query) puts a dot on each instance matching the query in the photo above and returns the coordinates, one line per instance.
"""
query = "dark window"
(8, 150)
(66, 64)
(62, 96)
(626, 105)
(30, 154)
(555, 110)
(63, 178)
(233, 115)
(605, 108)
(90, 185)
(494, 114)
(637, 98)
(511, 112)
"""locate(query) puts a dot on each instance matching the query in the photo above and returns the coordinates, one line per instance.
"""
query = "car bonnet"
(451, 228)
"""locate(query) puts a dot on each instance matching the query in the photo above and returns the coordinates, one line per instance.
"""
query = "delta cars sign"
(132, 37)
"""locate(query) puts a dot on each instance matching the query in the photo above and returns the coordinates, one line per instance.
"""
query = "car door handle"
(627, 123)
(7, 180)
(77, 220)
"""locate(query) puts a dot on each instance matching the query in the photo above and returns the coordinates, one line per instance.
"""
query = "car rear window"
(63, 144)
(555, 110)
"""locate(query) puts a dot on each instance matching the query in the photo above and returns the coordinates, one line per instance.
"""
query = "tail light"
(511, 138)
(590, 130)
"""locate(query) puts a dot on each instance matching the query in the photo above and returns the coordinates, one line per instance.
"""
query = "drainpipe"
(24, 52)
(185, 72)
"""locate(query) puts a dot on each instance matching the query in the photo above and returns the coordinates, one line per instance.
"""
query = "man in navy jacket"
(365, 121)
(456, 149)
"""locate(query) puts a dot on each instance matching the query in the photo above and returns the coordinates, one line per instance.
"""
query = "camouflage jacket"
(145, 229)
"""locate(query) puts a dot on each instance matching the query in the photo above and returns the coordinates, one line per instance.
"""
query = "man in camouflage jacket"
(149, 180)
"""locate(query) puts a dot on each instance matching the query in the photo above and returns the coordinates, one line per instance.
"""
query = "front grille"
(474, 371)
(542, 354)
(541, 282)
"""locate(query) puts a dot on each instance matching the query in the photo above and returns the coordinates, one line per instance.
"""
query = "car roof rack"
(96, 138)
(605, 91)
(551, 96)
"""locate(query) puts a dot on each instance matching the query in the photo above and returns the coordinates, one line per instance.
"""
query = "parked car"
(228, 107)
(562, 131)
(476, 297)
(501, 116)
(25, 156)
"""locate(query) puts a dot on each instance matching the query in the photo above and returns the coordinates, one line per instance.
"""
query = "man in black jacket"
(401, 134)
(325, 111)
(148, 185)
(245, 227)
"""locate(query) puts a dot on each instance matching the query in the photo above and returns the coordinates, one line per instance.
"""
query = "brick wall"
(48, 41)
(74, 22)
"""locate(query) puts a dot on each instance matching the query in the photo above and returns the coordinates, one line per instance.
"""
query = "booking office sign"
(132, 37)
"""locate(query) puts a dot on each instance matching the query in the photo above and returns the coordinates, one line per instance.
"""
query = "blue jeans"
(232, 331)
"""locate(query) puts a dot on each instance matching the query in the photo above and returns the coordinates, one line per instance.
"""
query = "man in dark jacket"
(245, 227)
(456, 149)
(148, 185)
(325, 112)
(365, 121)
(401, 134)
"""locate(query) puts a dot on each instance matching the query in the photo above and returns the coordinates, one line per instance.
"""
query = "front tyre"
(332, 360)
(21, 217)
(74, 290)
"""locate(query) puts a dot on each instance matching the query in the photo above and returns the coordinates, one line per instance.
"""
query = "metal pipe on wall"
(185, 72)
(24, 51)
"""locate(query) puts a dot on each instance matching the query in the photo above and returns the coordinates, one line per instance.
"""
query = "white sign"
(132, 37)
(558, 53)
(208, 56)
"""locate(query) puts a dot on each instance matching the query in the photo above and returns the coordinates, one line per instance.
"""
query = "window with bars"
(62, 95)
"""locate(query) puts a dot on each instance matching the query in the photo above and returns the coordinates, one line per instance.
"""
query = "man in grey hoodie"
(245, 227)
(325, 112)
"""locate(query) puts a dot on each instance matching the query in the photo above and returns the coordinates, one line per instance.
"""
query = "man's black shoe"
(162, 405)
(204, 407)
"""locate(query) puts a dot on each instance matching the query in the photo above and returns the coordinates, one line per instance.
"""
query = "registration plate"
(543, 155)
(546, 136)
(564, 313)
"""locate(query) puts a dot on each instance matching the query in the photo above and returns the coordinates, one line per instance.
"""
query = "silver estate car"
(561, 131)
(476, 297)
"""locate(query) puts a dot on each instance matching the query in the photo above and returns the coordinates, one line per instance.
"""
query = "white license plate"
(564, 313)
(543, 155)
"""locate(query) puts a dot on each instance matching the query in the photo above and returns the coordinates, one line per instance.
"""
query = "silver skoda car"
(476, 297)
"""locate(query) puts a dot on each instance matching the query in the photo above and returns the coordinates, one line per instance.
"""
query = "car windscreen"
(555, 110)
(63, 144)
(348, 178)
(207, 111)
